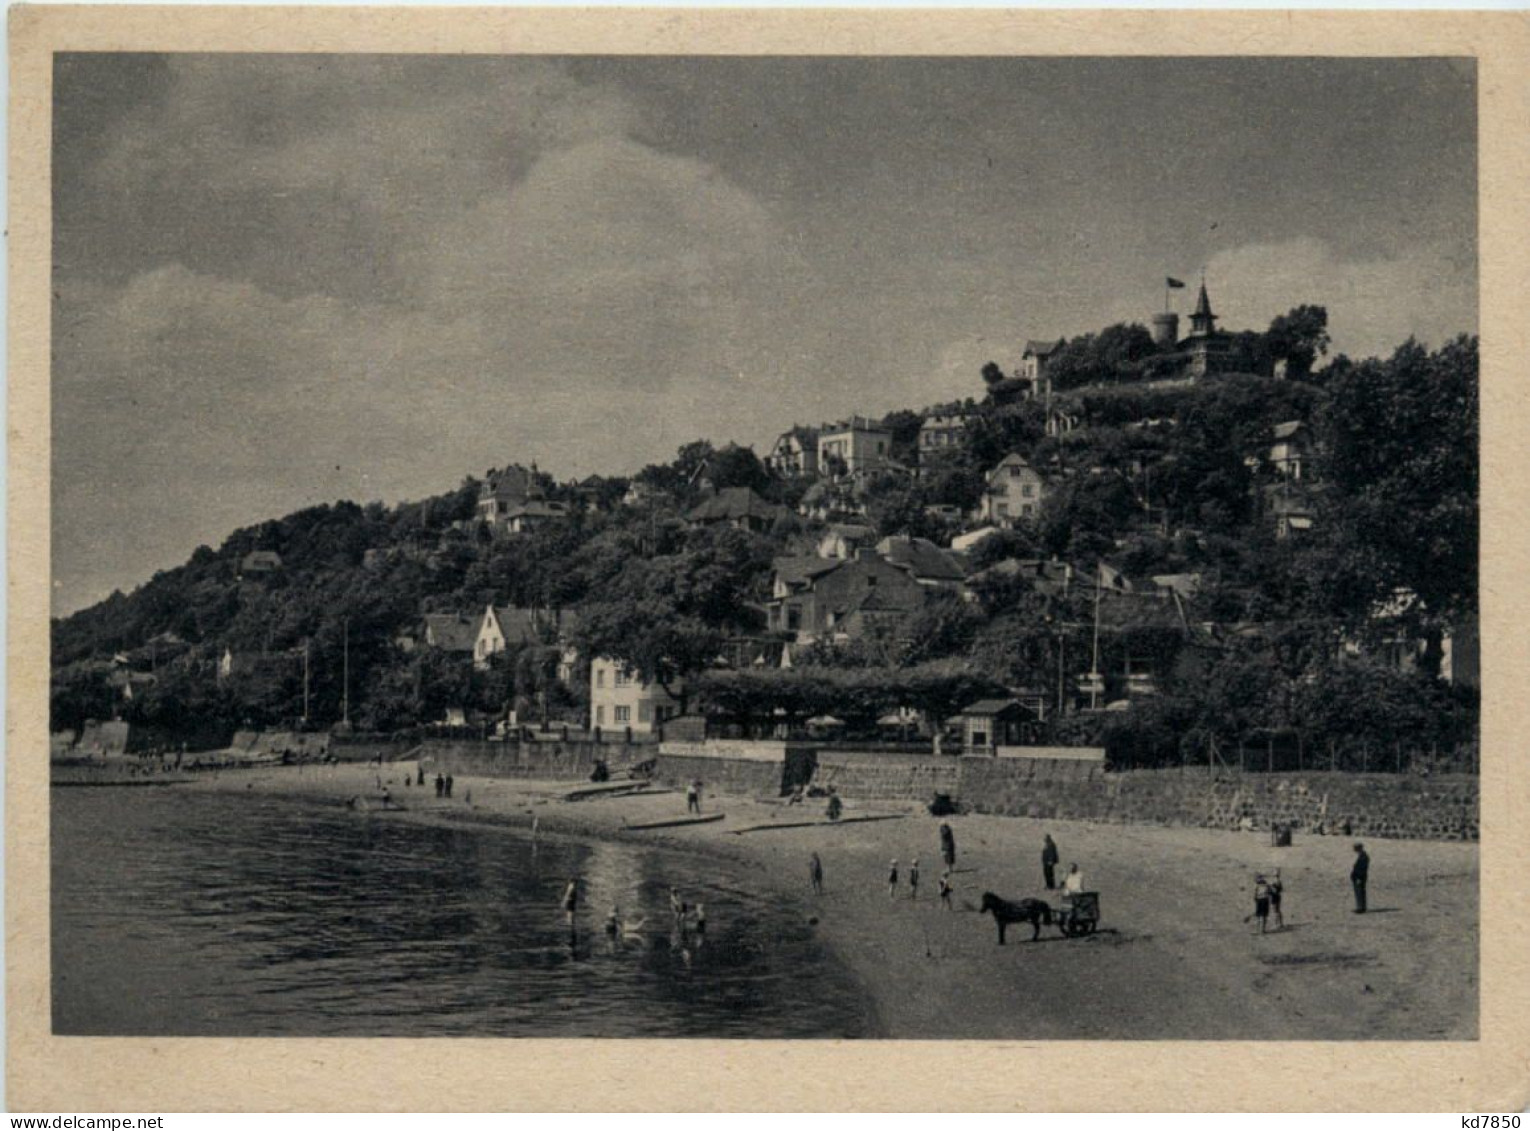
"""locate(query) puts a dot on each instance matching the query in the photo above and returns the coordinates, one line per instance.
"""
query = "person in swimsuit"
(892, 881)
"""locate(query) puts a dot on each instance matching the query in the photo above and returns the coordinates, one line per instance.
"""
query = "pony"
(1032, 911)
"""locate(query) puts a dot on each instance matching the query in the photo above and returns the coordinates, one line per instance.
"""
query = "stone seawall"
(750, 777)
(887, 777)
(572, 761)
(1440, 808)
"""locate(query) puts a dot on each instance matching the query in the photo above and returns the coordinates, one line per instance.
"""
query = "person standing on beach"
(913, 879)
(1261, 902)
(815, 872)
(1276, 889)
(946, 890)
(693, 797)
(440, 785)
(448, 785)
(1358, 875)
(892, 881)
(419, 773)
(1049, 858)
(948, 846)
(571, 899)
(614, 929)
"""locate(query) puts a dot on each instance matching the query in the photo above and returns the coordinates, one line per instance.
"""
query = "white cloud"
(1373, 305)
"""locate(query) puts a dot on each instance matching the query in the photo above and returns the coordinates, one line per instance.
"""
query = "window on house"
(871, 581)
(645, 712)
(980, 738)
(1016, 472)
(623, 677)
(1028, 491)
(793, 617)
(600, 716)
(621, 715)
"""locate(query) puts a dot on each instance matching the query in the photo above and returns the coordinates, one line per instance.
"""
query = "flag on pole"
(1174, 284)
(1113, 579)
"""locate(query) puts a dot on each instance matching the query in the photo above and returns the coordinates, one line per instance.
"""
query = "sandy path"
(1173, 958)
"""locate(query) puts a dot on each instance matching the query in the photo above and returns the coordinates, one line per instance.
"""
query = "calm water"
(186, 914)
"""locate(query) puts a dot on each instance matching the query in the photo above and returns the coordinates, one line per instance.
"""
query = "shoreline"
(1172, 958)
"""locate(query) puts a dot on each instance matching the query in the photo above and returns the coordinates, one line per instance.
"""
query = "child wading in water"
(892, 881)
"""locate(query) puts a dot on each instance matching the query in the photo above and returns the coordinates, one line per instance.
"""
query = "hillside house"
(928, 564)
(504, 491)
(1292, 443)
(853, 447)
(1014, 493)
(941, 432)
(794, 455)
(828, 501)
(1034, 358)
(619, 699)
(504, 626)
(531, 515)
(739, 507)
(452, 633)
(830, 597)
(842, 540)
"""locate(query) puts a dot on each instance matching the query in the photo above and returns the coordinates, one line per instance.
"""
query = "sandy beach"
(1173, 958)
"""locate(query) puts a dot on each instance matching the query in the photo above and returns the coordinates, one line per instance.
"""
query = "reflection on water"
(179, 913)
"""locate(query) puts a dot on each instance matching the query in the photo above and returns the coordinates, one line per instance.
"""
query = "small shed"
(991, 723)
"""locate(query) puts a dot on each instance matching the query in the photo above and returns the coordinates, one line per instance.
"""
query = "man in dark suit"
(1358, 875)
(1049, 859)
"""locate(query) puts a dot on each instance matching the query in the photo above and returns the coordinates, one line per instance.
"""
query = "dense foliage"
(1160, 478)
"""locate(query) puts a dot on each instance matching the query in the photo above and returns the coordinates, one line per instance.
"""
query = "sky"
(287, 280)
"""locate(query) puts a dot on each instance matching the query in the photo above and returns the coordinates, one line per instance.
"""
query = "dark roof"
(800, 570)
(536, 508)
(513, 482)
(451, 632)
(261, 559)
(1203, 304)
(733, 503)
(922, 558)
(1042, 349)
(520, 626)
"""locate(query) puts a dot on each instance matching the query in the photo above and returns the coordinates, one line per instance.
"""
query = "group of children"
(1267, 895)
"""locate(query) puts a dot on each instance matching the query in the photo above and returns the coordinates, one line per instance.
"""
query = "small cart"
(1080, 915)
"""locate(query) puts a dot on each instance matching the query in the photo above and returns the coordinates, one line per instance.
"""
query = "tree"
(1300, 336)
(1401, 446)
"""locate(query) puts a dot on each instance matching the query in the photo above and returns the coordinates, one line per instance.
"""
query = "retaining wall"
(1389, 805)
(888, 777)
(751, 777)
(572, 760)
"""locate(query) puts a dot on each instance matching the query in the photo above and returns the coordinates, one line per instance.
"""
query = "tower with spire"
(1207, 349)
(1202, 323)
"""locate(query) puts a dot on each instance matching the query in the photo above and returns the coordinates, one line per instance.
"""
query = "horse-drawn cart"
(1080, 915)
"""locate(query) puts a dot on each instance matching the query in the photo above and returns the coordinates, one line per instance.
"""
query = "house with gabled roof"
(739, 507)
(1014, 492)
(505, 626)
(1035, 356)
(928, 564)
(795, 453)
(453, 633)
